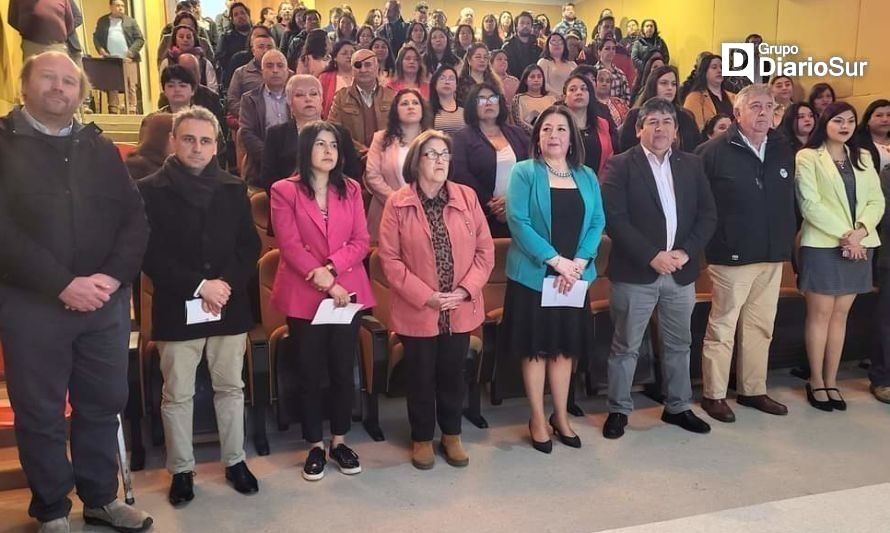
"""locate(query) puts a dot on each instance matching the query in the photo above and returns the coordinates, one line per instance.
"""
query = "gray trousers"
(51, 353)
(631, 307)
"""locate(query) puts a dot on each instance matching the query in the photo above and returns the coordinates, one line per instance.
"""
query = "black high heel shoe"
(572, 442)
(822, 405)
(542, 446)
(839, 405)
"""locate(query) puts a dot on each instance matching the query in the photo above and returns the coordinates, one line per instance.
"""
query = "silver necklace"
(558, 173)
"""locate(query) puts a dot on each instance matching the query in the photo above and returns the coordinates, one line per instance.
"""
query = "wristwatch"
(331, 269)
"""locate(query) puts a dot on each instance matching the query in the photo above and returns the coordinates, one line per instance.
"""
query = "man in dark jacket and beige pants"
(72, 234)
(201, 254)
(751, 170)
(118, 35)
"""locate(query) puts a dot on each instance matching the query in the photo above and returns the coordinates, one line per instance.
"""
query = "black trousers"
(436, 384)
(51, 353)
(879, 374)
(333, 345)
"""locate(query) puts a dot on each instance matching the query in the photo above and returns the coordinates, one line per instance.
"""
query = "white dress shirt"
(664, 182)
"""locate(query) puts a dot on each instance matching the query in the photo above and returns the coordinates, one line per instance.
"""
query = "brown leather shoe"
(718, 410)
(881, 393)
(764, 403)
(454, 452)
(422, 456)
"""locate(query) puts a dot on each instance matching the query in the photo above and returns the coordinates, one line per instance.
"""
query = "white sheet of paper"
(328, 314)
(551, 297)
(194, 314)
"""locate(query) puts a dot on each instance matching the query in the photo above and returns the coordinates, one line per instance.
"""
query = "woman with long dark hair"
(578, 96)
(438, 51)
(555, 63)
(506, 29)
(798, 124)
(840, 199)
(649, 41)
(476, 69)
(486, 150)
(874, 132)
(314, 58)
(184, 40)
(663, 84)
(408, 117)
(464, 37)
(655, 61)
(490, 32)
(374, 19)
(707, 97)
(319, 221)
(345, 30)
(821, 96)
(555, 250)
(364, 36)
(337, 75)
(385, 59)
(531, 98)
(410, 72)
(417, 35)
(448, 113)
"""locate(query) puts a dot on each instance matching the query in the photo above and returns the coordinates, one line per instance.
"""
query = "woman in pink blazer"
(437, 253)
(408, 116)
(319, 221)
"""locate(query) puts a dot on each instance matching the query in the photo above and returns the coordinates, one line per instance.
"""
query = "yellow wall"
(852, 29)
(823, 28)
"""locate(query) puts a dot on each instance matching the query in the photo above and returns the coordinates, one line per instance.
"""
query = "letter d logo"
(738, 60)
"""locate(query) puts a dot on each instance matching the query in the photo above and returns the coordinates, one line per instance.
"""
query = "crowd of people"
(457, 135)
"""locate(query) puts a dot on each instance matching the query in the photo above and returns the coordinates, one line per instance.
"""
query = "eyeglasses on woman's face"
(433, 155)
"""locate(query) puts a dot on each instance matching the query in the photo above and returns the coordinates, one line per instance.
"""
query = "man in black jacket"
(660, 214)
(202, 252)
(235, 39)
(396, 29)
(521, 49)
(72, 235)
(751, 170)
(118, 35)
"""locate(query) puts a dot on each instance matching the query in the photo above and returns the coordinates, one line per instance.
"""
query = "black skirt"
(530, 331)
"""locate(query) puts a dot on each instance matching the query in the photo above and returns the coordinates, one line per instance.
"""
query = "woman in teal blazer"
(555, 215)
(840, 198)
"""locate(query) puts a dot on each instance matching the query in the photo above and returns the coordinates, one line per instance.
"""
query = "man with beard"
(234, 40)
(521, 49)
(72, 235)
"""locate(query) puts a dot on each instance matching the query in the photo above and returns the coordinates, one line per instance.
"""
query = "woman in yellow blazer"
(706, 96)
(840, 198)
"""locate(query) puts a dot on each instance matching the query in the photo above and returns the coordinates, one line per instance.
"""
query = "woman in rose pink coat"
(319, 222)
(437, 253)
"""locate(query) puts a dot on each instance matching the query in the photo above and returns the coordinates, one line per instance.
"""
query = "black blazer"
(280, 155)
(635, 219)
(475, 165)
(688, 134)
(188, 244)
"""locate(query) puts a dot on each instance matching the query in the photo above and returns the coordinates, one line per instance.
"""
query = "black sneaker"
(313, 470)
(346, 459)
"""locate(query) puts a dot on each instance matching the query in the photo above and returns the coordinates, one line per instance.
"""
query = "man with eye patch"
(201, 254)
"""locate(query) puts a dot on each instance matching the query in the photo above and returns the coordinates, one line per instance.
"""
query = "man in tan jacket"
(362, 108)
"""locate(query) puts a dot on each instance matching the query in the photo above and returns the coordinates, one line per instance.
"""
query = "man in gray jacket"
(118, 35)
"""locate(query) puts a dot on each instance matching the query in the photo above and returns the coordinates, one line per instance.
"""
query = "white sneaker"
(59, 525)
(118, 516)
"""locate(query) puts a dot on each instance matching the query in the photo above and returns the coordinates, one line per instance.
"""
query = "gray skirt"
(825, 271)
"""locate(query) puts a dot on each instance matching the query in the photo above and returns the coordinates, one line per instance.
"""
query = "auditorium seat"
(259, 208)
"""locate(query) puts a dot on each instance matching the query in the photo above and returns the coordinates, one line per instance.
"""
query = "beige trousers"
(743, 300)
(30, 48)
(179, 362)
(131, 79)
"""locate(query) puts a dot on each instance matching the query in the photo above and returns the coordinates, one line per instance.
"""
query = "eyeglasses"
(493, 99)
(359, 64)
(433, 155)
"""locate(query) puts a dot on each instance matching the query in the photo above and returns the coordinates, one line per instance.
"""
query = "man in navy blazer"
(660, 215)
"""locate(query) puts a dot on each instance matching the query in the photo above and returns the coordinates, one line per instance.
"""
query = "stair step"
(11, 475)
(100, 118)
